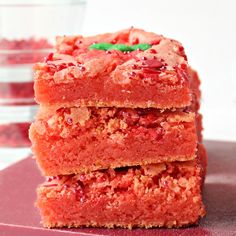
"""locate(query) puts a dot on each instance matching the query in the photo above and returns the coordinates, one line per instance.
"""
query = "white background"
(207, 30)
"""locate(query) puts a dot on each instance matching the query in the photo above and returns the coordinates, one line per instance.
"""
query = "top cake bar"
(81, 73)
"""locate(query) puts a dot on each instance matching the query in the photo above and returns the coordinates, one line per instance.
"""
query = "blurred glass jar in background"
(27, 34)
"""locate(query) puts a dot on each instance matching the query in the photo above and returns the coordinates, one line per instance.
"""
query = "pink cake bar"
(157, 195)
(78, 76)
(75, 140)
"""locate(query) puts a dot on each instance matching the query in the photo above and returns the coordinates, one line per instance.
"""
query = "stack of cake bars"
(118, 133)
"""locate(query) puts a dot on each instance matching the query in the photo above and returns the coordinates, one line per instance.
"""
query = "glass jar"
(27, 35)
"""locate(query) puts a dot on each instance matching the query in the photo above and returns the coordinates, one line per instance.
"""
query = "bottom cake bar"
(156, 195)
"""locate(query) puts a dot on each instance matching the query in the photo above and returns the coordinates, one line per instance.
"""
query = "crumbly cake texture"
(75, 140)
(79, 76)
(156, 195)
(119, 131)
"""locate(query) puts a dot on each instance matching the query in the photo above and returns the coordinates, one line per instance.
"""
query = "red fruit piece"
(152, 63)
(152, 51)
(49, 57)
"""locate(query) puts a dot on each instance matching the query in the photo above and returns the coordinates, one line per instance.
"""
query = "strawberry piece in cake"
(75, 140)
(156, 195)
(80, 75)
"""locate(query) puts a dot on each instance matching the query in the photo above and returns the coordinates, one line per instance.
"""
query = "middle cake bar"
(76, 139)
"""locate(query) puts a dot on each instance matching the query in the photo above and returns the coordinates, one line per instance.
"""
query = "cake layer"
(75, 140)
(79, 75)
(156, 195)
